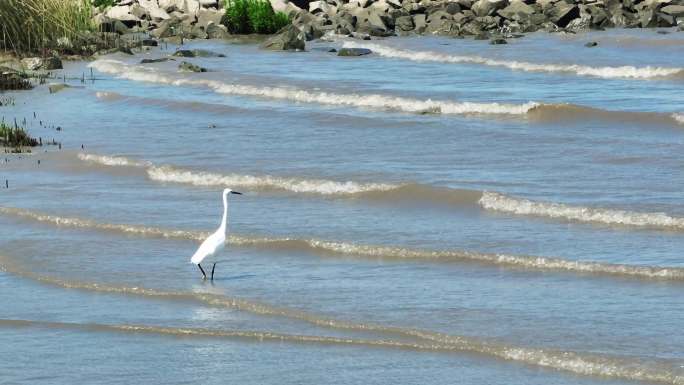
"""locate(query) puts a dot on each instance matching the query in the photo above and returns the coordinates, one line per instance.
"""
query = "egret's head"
(229, 191)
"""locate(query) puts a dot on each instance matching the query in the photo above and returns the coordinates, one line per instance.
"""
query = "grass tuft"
(36, 25)
(253, 16)
(15, 136)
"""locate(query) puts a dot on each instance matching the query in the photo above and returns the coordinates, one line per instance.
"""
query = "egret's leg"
(212, 271)
(204, 275)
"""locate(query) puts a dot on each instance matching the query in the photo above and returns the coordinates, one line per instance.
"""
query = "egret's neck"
(225, 213)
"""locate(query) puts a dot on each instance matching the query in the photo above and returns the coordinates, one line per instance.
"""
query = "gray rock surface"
(354, 52)
(189, 67)
(287, 39)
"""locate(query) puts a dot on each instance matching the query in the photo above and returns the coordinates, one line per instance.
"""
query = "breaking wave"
(679, 118)
(569, 361)
(374, 101)
(626, 72)
(503, 203)
(408, 192)
(265, 182)
(353, 250)
(111, 160)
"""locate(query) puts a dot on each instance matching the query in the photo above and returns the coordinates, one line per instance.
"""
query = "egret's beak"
(235, 192)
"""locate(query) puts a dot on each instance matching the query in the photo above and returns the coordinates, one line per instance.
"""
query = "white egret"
(215, 241)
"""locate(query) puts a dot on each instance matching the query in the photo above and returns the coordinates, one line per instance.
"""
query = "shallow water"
(442, 208)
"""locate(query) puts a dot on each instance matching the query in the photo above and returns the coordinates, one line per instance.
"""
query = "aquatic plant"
(15, 136)
(253, 16)
(36, 25)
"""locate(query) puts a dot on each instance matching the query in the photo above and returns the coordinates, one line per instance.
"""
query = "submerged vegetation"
(36, 25)
(15, 136)
(253, 16)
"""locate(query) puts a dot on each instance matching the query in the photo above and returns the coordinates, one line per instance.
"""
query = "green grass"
(36, 25)
(253, 16)
(15, 136)
(104, 3)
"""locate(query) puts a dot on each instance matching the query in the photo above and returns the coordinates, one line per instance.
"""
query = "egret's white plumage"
(215, 241)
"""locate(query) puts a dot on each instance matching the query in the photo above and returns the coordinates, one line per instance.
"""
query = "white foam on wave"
(627, 72)
(264, 182)
(368, 251)
(679, 118)
(374, 101)
(500, 202)
(111, 160)
(168, 174)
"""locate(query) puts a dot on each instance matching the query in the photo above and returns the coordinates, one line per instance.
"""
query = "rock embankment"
(483, 17)
(366, 18)
(190, 19)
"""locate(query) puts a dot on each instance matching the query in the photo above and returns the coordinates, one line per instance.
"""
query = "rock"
(599, 17)
(665, 20)
(209, 16)
(54, 88)
(52, 63)
(453, 8)
(517, 10)
(591, 44)
(488, 7)
(189, 67)
(215, 31)
(404, 23)
(125, 50)
(171, 5)
(167, 28)
(158, 14)
(648, 19)
(353, 52)
(561, 14)
(209, 3)
(122, 13)
(32, 63)
(150, 43)
(481, 36)
(288, 38)
(420, 23)
(197, 53)
(160, 60)
(673, 10)
(498, 40)
(285, 6)
(322, 6)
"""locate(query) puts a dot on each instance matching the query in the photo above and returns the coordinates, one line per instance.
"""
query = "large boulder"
(208, 16)
(215, 31)
(404, 23)
(674, 10)
(561, 14)
(288, 38)
(285, 6)
(517, 10)
(171, 5)
(122, 13)
(354, 52)
(32, 63)
(420, 22)
(488, 7)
